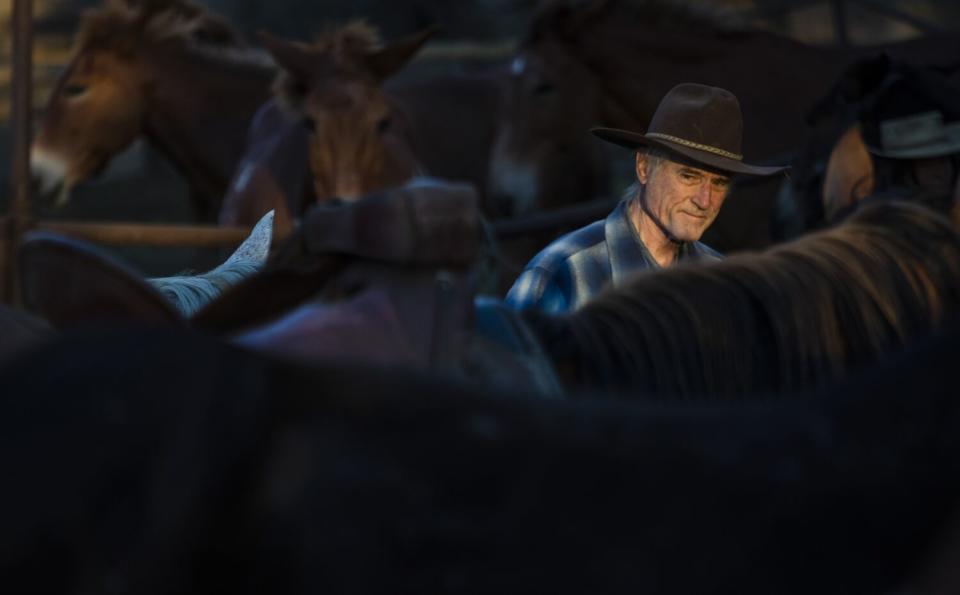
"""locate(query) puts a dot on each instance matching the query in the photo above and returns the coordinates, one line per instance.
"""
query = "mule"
(164, 70)
(333, 89)
(340, 109)
(609, 62)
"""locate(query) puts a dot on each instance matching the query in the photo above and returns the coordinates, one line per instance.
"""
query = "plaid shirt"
(573, 269)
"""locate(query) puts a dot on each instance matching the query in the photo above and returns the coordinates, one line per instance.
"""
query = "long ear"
(292, 57)
(386, 62)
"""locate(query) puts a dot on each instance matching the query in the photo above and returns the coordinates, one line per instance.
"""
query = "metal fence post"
(21, 24)
(840, 23)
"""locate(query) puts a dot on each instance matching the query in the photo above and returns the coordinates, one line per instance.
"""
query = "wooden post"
(22, 102)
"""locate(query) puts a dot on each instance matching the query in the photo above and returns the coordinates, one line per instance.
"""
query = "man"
(683, 166)
(911, 130)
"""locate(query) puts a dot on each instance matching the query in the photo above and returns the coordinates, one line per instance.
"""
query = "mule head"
(335, 87)
(543, 155)
(99, 104)
(95, 111)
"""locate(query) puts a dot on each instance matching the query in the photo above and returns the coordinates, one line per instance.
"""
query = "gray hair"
(655, 157)
(190, 293)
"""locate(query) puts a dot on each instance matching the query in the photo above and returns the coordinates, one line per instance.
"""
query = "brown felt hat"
(701, 123)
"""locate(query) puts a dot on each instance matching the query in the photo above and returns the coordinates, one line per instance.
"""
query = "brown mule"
(164, 70)
(330, 112)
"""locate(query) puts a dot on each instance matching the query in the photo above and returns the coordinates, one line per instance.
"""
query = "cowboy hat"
(913, 116)
(701, 123)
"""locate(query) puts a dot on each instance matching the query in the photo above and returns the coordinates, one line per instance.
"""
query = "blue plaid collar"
(626, 250)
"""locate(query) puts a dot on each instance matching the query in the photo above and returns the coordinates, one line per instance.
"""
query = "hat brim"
(633, 140)
(949, 145)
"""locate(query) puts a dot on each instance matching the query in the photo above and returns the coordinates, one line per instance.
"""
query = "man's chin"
(687, 234)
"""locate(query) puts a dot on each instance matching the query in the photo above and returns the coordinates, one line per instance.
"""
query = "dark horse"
(169, 463)
(162, 69)
(609, 62)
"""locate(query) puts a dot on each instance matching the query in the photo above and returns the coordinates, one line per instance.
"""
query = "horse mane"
(190, 293)
(781, 321)
(123, 25)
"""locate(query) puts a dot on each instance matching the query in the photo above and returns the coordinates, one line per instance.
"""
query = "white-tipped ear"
(257, 245)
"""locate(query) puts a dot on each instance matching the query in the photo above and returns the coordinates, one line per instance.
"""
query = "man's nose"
(703, 197)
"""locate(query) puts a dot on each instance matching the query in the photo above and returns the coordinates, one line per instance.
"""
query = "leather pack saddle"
(404, 257)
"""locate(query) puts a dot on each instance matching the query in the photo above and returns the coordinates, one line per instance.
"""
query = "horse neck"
(198, 114)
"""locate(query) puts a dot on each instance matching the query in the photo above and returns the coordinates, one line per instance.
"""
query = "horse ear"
(385, 62)
(292, 57)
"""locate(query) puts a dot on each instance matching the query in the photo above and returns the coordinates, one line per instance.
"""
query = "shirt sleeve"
(537, 289)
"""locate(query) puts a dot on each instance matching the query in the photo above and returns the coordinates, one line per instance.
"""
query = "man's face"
(685, 198)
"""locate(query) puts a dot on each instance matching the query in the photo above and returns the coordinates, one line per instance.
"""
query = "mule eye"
(309, 124)
(544, 89)
(74, 90)
(383, 125)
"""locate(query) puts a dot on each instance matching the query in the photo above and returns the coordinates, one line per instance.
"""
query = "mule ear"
(290, 56)
(385, 62)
